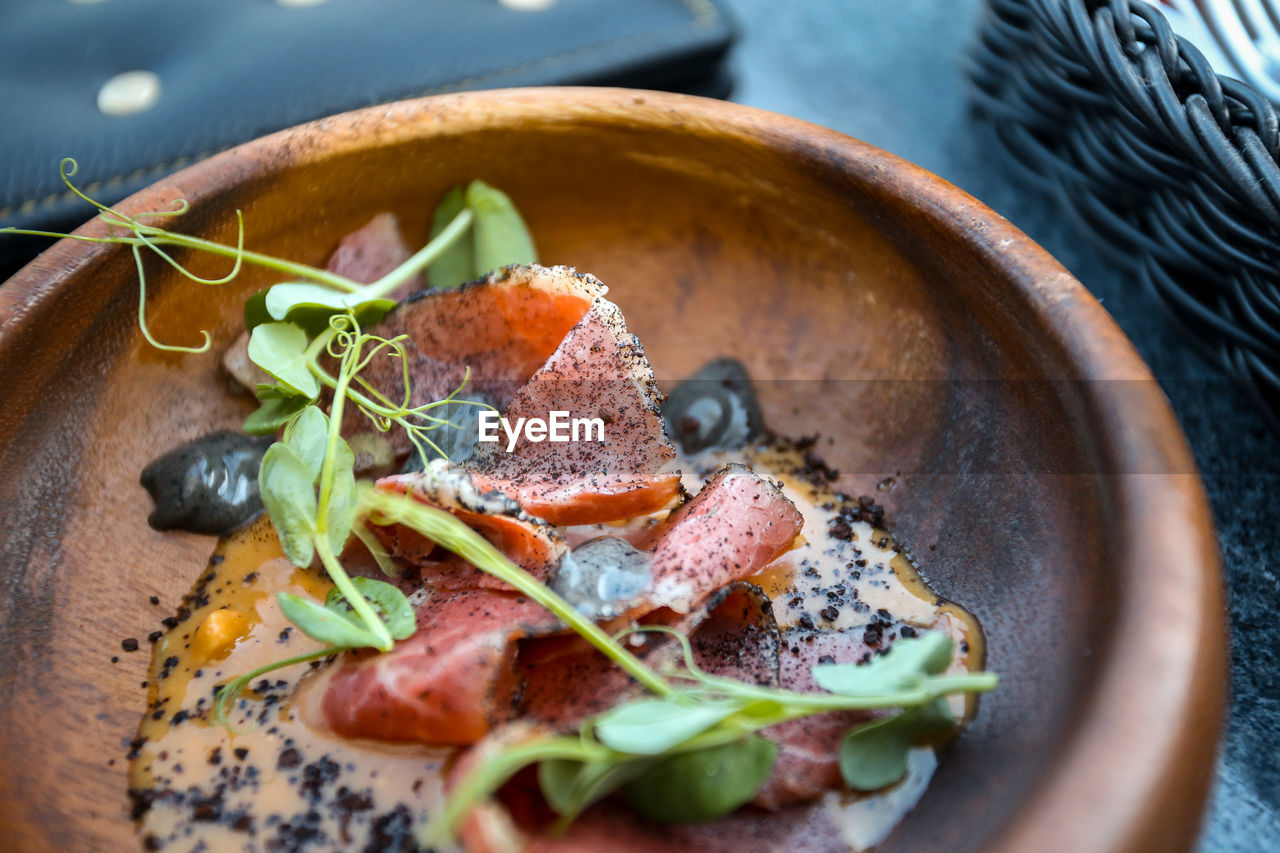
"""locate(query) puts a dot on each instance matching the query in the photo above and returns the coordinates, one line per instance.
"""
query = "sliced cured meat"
(735, 637)
(446, 684)
(529, 542)
(733, 633)
(598, 371)
(502, 328)
(611, 826)
(736, 525)
(371, 251)
(456, 676)
(808, 748)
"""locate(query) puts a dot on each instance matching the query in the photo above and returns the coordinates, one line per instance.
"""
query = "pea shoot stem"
(357, 601)
(423, 258)
(232, 689)
(497, 770)
(331, 564)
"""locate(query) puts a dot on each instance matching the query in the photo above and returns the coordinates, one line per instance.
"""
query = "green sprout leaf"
(340, 512)
(652, 726)
(255, 310)
(288, 493)
(334, 626)
(456, 264)
(388, 600)
(875, 755)
(572, 786)
(281, 350)
(698, 786)
(501, 237)
(498, 236)
(308, 437)
(309, 306)
(906, 665)
(275, 412)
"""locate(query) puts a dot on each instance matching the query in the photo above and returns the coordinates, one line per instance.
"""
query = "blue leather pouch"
(231, 70)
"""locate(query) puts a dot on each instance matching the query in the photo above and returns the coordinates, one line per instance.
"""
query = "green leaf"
(330, 626)
(559, 778)
(903, 667)
(308, 438)
(699, 786)
(572, 786)
(500, 235)
(276, 391)
(875, 754)
(255, 310)
(456, 264)
(274, 413)
(340, 513)
(309, 306)
(387, 600)
(288, 493)
(376, 550)
(652, 726)
(280, 349)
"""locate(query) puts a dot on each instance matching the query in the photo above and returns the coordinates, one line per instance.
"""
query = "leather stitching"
(703, 12)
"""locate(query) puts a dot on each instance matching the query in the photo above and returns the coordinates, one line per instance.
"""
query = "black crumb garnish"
(392, 831)
(129, 644)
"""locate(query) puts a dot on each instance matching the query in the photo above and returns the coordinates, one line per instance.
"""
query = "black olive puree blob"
(209, 485)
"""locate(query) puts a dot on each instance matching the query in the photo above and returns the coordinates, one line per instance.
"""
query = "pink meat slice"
(808, 748)
(501, 329)
(733, 634)
(371, 251)
(529, 542)
(454, 679)
(736, 525)
(447, 683)
(598, 371)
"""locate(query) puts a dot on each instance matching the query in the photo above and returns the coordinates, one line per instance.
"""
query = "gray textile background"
(891, 72)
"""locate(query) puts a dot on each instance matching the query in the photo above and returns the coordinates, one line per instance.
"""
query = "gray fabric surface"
(891, 73)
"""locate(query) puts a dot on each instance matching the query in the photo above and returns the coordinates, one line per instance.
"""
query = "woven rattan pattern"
(1174, 165)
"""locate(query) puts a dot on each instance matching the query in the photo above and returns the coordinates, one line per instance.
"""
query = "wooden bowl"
(1041, 477)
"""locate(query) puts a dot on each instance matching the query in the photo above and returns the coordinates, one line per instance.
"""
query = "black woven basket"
(1169, 162)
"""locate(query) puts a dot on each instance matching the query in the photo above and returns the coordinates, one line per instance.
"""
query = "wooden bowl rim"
(1090, 802)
